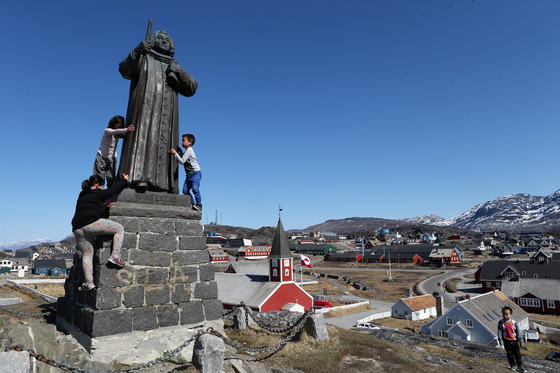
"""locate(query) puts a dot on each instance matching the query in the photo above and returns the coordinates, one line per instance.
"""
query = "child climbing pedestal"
(164, 292)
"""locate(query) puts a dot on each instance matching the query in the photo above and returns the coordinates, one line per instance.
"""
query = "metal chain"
(277, 347)
(229, 312)
(25, 313)
(289, 337)
(149, 364)
(267, 328)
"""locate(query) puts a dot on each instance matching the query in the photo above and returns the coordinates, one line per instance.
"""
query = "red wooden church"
(265, 293)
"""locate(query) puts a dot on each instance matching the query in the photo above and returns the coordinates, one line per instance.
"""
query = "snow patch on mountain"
(514, 213)
(24, 244)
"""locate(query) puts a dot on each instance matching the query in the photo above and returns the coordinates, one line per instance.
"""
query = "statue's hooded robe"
(153, 109)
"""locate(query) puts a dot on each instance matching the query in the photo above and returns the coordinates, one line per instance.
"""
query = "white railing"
(37, 281)
(544, 329)
(338, 299)
(46, 297)
(375, 317)
(9, 301)
(326, 310)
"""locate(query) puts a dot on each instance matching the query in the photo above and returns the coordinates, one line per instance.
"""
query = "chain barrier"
(20, 313)
(248, 311)
(277, 347)
(56, 364)
(229, 312)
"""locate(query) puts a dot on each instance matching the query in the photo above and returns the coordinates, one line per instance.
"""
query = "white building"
(415, 308)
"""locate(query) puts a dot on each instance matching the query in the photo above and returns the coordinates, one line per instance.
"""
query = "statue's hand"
(143, 48)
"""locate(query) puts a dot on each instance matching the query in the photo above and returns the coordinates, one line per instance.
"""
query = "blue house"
(50, 267)
(476, 319)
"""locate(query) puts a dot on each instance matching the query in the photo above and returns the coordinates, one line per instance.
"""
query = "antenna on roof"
(279, 212)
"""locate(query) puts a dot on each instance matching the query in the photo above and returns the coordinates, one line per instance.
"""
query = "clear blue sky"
(331, 109)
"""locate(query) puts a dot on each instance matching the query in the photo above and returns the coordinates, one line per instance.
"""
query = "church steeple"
(280, 259)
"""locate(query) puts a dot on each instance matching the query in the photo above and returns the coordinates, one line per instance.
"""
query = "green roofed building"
(313, 249)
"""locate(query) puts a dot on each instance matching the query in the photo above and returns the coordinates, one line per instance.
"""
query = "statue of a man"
(153, 108)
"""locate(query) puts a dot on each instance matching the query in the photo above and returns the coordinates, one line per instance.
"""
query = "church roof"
(280, 247)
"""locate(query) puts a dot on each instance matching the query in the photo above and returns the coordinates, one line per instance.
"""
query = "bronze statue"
(153, 108)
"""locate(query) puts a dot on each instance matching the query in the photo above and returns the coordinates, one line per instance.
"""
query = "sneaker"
(88, 286)
(513, 368)
(117, 261)
(197, 207)
(522, 369)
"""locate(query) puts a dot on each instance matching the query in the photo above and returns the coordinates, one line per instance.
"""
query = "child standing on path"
(509, 337)
(192, 169)
(106, 158)
(88, 222)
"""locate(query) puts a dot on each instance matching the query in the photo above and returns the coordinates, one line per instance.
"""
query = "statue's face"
(162, 44)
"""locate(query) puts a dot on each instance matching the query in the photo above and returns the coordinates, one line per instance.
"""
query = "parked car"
(435, 293)
(366, 326)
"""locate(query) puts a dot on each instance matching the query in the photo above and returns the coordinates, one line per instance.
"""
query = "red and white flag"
(305, 261)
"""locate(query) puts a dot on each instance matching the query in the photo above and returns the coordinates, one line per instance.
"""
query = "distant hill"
(24, 244)
(359, 226)
(515, 213)
(263, 235)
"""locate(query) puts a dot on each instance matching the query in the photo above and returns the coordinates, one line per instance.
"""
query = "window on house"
(498, 285)
(469, 323)
(541, 258)
(535, 276)
(286, 272)
(529, 302)
(488, 284)
(274, 272)
(450, 321)
(550, 304)
(523, 273)
(441, 333)
(509, 274)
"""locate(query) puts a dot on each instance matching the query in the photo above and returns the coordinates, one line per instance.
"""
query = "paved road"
(468, 286)
(427, 286)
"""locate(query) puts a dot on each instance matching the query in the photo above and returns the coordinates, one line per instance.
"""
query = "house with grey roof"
(51, 267)
(476, 319)
(492, 273)
(442, 254)
(534, 295)
(264, 293)
(248, 267)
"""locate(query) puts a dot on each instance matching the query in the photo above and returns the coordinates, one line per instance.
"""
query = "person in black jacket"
(89, 222)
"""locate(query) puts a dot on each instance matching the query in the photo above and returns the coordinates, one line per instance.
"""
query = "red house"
(444, 255)
(254, 252)
(265, 293)
(218, 256)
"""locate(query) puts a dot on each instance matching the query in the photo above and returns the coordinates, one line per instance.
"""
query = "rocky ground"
(457, 355)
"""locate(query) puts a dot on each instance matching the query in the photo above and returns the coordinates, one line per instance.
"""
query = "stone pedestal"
(166, 284)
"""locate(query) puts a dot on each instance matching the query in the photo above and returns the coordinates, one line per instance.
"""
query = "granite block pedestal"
(164, 293)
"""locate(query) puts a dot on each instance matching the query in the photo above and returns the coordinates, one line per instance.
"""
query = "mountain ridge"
(515, 213)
